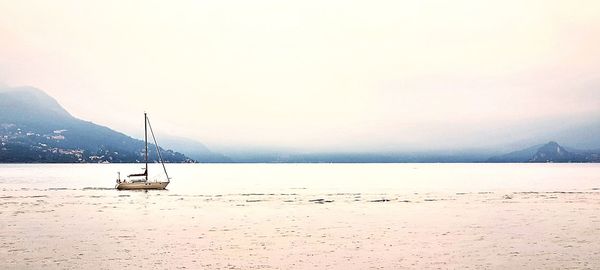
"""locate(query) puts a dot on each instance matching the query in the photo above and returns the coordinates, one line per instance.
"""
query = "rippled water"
(303, 216)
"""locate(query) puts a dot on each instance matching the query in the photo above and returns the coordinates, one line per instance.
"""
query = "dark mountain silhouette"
(549, 152)
(552, 152)
(35, 128)
(517, 156)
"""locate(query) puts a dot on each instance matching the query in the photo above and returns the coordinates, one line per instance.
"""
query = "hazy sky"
(313, 75)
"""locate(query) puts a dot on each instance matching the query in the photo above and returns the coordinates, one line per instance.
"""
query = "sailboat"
(140, 180)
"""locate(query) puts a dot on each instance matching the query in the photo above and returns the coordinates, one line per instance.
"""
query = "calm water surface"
(302, 216)
(212, 179)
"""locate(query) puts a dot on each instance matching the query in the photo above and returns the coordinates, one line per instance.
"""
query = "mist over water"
(351, 76)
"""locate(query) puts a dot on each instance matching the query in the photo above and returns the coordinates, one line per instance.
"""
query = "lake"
(302, 216)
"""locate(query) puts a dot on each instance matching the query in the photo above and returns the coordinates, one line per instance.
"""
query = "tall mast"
(158, 150)
(146, 143)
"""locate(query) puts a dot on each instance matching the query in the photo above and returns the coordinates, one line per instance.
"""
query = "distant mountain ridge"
(27, 105)
(549, 152)
(553, 152)
(35, 128)
(193, 149)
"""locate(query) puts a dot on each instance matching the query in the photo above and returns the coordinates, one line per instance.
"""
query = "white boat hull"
(142, 185)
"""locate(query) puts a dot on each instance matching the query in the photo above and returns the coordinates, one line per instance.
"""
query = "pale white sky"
(314, 75)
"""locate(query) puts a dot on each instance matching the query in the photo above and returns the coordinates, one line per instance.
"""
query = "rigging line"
(146, 145)
(157, 149)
